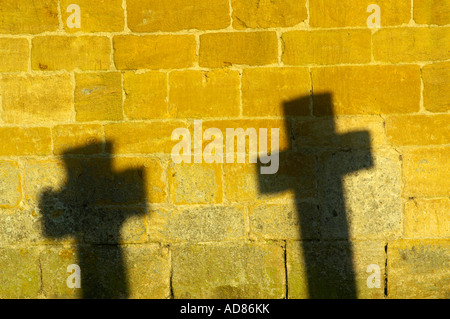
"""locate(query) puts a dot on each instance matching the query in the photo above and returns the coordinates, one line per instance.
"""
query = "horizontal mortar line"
(71, 244)
(225, 243)
(41, 73)
(143, 34)
(184, 241)
(160, 156)
(299, 27)
(140, 205)
(378, 115)
(426, 146)
(218, 243)
(300, 119)
(421, 197)
(136, 71)
(419, 238)
(189, 121)
(338, 240)
(163, 243)
(423, 113)
(238, 205)
(234, 67)
(166, 156)
(406, 199)
(371, 63)
(186, 120)
(321, 240)
(243, 67)
(25, 158)
(173, 206)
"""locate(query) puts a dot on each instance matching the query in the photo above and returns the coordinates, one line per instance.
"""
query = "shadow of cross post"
(90, 207)
(326, 246)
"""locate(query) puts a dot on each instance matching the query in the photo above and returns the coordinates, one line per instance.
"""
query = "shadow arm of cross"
(329, 140)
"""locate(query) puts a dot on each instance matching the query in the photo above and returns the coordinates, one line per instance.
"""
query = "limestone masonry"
(91, 92)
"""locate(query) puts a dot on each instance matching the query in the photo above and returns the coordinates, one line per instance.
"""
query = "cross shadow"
(324, 228)
(89, 209)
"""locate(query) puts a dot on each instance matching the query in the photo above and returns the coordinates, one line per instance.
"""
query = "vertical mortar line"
(307, 14)
(61, 25)
(103, 138)
(404, 201)
(402, 186)
(412, 11)
(311, 93)
(165, 161)
(30, 46)
(280, 47)
(170, 112)
(122, 86)
(422, 106)
(22, 176)
(197, 50)
(231, 13)
(171, 295)
(386, 270)
(241, 105)
(286, 279)
(125, 17)
(112, 64)
(166, 165)
(224, 198)
(41, 286)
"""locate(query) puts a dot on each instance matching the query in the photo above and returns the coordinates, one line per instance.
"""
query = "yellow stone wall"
(87, 114)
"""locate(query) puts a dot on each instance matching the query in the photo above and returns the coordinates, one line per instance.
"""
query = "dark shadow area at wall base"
(313, 168)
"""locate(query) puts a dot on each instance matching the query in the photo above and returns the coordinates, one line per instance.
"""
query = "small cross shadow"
(326, 245)
(90, 207)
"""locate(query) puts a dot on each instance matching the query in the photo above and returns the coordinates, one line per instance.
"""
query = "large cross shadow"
(324, 228)
(90, 207)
